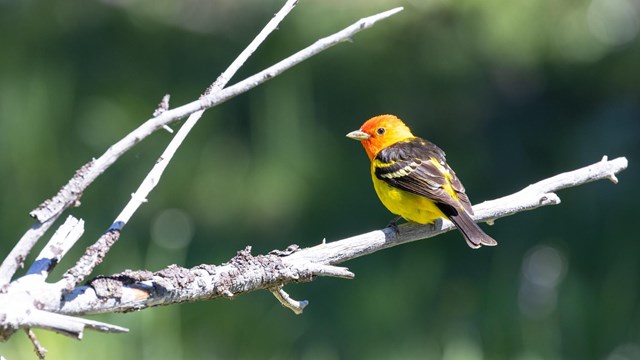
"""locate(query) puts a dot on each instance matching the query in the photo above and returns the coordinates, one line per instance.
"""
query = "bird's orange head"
(379, 132)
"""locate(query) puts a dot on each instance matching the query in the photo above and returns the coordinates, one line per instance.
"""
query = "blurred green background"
(513, 91)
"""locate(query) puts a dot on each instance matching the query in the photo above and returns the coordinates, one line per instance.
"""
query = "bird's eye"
(381, 131)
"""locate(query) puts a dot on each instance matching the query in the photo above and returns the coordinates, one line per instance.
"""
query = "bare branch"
(17, 311)
(17, 255)
(67, 325)
(531, 197)
(162, 107)
(271, 26)
(294, 305)
(134, 290)
(89, 261)
(277, 69)
(70, 193)
(26, 302)
(63, 239)
(37, 347)
(30, 302)
(91, 258)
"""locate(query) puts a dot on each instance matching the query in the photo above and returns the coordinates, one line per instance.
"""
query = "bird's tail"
(472, 233)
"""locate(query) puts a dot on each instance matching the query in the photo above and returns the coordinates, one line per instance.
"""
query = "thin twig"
(62, 240)
(163, 106)
(277, 69)
(271, 26)
(37, 347)
(68, 325)
(294, 305)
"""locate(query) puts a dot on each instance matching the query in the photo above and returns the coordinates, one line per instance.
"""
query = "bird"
(413, 180)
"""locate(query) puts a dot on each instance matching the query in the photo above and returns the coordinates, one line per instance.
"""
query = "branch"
(69, 195)
(20, 308)
(63, 239)
(39, 349)
(296, 306)
(89, 260)
(135, 290)
(529, 198)
(30, 302)
(72, 191)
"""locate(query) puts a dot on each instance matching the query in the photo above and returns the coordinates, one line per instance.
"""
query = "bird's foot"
(393, 224)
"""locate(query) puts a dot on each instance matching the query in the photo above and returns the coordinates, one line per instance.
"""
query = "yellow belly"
(411, 207)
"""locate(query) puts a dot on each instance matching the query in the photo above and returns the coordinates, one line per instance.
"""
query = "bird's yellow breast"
(411, 207)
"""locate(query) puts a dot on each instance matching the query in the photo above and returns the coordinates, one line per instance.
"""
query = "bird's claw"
(393, 224)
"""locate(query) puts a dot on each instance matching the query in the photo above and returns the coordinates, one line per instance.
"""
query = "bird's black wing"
(419, 167)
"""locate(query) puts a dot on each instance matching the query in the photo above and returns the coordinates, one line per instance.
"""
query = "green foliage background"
(514, 91)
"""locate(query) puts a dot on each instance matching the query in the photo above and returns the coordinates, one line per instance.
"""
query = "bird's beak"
(358, 135)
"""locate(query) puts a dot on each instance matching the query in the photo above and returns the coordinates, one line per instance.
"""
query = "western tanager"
(413, 180)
